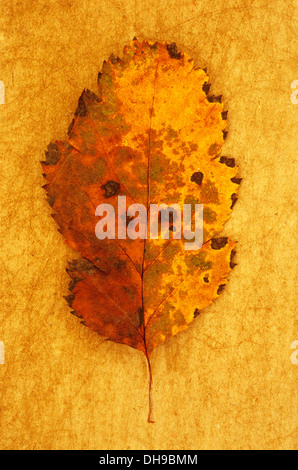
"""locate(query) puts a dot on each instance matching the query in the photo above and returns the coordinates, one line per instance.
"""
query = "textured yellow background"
(227, 382)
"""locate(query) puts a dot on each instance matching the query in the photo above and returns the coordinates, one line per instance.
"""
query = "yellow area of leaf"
(187, 287)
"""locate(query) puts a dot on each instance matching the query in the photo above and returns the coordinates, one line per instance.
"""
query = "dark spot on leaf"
(224, 133)
(119, 264)
(232, 255)
(218, 243)
(111, 188)
(173, 51)
(236, 180)
(52, 154)
(227, 161)
(91, 96)
(224, 115)
(51, 200)
(113, 59)
(75, 313)
(73, 283)
(234, 200)
(214, 149)
(140, 316)
(81, 265)
(69, 299)
(209, 215)
(129, 218)
(70, 127)
(134, 38)
(82, 108)
(129, 335)
(206, 278)
(172, 218)
(220, 288)
(214, 99)
(197, 177)
(196, 313)
(206, 87)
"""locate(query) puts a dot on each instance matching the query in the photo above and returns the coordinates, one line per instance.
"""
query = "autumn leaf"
(153, 133)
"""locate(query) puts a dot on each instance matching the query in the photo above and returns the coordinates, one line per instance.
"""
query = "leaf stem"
(151, 404)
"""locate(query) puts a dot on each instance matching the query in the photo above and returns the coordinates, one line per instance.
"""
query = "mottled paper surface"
(228, 381)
